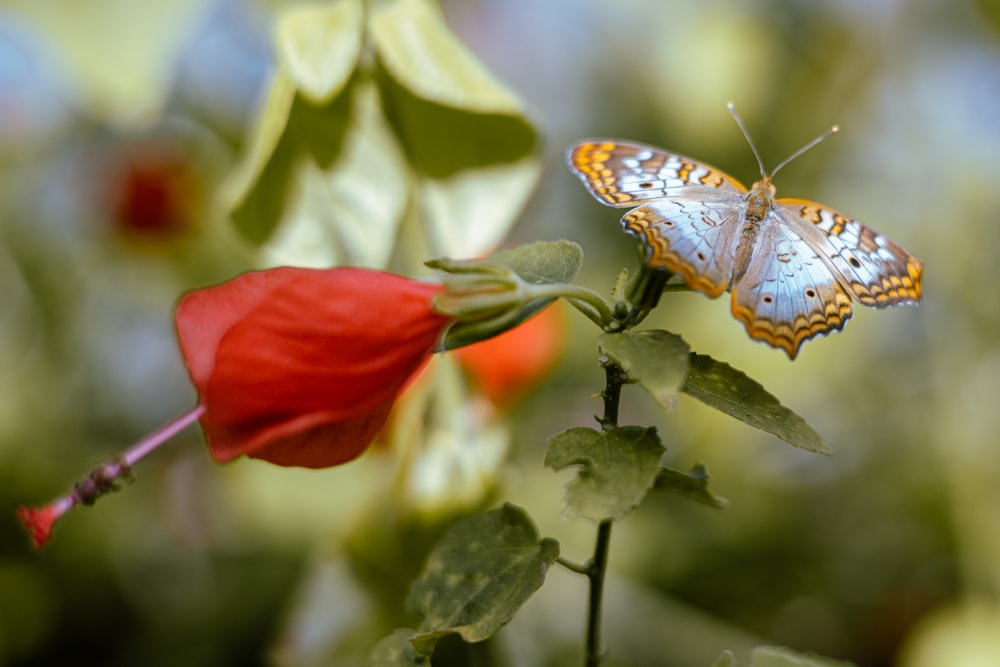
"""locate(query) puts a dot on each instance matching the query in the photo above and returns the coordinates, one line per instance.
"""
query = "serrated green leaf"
(657, 360)
(727, 659)
(319, 47)
(617, 468)
(396, 650)
(692, 485)
(419, 50)
(478, 576)
(775, 656)
(728, 390)
(542, 261)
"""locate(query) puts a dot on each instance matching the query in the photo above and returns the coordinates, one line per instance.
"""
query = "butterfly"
(792, 266)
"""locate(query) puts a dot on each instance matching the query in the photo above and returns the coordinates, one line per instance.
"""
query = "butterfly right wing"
(875, 270)
(691, 236)
(624, 174)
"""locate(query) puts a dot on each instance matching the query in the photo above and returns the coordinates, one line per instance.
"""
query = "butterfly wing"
(690, 236)
(624, 174)
(872, 268)
(788, 293)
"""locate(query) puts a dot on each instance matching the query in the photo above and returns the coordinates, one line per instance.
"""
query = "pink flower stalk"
(38, 521)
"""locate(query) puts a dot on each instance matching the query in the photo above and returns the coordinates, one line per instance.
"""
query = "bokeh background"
(118, 123)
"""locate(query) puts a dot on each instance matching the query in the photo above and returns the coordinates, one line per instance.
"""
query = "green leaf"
(728, 390)
(243, 188)
(657, 360)
(775, 656)
(396, 650)
(333, 188)
(352, 195)
(617, 468)
(692, 485)
(478, 576)
(319, 47)
(474, 172)
(542, 262)
(539, 263)
(727, 659)
(336, 162)
(415, 45)
(466, 136)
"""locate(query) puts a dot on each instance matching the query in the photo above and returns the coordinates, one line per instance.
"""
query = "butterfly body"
(792, 266)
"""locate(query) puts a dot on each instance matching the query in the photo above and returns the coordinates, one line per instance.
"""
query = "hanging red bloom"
(301, 366)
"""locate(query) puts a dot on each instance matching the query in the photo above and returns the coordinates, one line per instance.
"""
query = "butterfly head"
(759, 200)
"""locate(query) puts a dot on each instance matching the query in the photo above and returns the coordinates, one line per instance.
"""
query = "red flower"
(153, 188)
(301, 366)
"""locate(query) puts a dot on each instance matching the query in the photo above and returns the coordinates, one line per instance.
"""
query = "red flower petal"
(204, 316)
(301, 366)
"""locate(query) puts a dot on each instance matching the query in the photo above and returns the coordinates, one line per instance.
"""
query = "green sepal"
(489, 296)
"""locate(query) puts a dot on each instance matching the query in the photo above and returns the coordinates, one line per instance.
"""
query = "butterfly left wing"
(872, 268)
(692, 236)
(788, 293)
(624, 174)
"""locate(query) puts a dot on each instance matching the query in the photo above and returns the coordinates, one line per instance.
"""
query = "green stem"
(571, 566)
(615, 378)
(644, 291)
(588, 302)
(595, 571)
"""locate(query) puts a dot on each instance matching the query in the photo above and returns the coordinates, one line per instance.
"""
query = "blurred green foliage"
(886, 554)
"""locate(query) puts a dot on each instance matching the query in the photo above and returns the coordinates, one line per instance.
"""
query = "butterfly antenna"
(832, 130)
(739, 121)
(760, 163)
